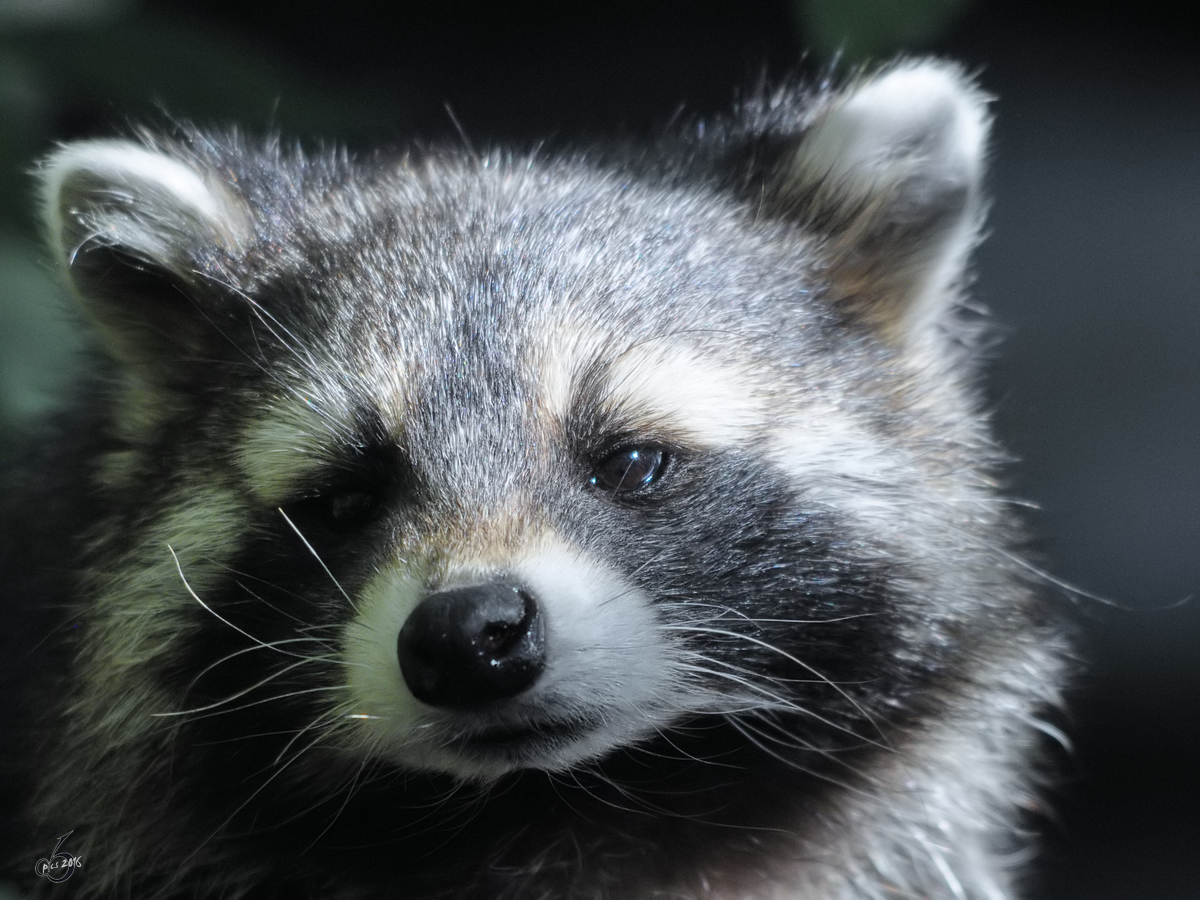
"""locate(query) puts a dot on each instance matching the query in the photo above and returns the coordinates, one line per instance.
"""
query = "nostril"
(497, 636)
(500, 635)
(470, 646)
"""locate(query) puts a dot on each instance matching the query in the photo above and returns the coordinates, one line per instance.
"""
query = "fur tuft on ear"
(133, 228)
(889, 174)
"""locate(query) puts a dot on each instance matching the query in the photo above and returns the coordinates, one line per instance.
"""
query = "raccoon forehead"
(659, 386)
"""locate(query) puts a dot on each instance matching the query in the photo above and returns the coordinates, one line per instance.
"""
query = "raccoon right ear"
(887, 173)
(136, 229)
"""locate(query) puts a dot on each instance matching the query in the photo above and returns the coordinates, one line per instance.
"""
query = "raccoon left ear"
(889, 174)
(133, 228)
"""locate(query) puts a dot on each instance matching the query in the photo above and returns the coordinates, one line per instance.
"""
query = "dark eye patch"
(356, 491)
(339, 507)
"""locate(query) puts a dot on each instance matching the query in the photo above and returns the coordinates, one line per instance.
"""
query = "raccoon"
(611, 524)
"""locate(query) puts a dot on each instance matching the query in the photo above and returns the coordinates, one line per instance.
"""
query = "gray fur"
(802, 660)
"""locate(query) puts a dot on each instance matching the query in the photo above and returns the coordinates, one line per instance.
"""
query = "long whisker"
(242, 693)
(320, 561)
(791, 658)
(262, 787)
(302, 661)
(217, 615)
(754, 738)
(741, 614)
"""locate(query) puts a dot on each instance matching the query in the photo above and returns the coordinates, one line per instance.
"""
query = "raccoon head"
(480, 464)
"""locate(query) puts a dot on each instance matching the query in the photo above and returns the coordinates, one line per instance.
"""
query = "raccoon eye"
(629, 469)
(340, 510)
(351, 509)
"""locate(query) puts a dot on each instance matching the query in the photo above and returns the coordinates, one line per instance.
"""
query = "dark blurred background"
(1092, 270)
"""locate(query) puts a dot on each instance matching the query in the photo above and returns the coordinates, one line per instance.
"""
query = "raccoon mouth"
(523, 737)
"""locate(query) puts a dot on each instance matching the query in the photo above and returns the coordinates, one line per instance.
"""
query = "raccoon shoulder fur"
(444, 525)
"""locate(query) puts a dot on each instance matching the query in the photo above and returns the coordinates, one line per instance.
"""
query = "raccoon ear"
(134, 229)
(889, 174)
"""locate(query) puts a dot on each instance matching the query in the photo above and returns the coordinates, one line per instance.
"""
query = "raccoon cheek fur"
(619, 525)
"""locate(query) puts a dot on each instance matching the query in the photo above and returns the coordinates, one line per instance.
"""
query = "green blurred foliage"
(38, 341)
(860, 31)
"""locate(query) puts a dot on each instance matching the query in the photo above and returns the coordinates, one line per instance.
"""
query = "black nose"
(470, 646)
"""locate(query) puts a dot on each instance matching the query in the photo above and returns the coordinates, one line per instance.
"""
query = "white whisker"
(320, 561)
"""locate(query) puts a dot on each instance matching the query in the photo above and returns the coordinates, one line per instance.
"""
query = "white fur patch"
(607, 656)
(835, 461)
(569, 351)
(164, 186)
(900, 147)
(661, 385)
(710, 403)
(883, 491)
(911, 120)
(386, 713)
(140, 605)
(292, 439)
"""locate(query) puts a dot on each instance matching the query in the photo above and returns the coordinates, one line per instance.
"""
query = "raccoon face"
(475, 465)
